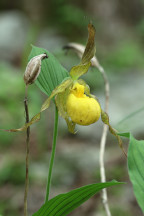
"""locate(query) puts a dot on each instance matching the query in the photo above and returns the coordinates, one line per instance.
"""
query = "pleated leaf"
(52, 72)
(63, 204)
(136, 168)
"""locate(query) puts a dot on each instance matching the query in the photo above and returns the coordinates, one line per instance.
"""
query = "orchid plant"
(72, 96)
(75, 103)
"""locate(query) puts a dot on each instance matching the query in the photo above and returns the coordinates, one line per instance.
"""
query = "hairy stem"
(27, 152)
(52, 154)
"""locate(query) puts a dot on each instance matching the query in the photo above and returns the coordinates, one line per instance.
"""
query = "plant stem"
(104, 196)
(103, 143)
(52, 154)
(27, 153)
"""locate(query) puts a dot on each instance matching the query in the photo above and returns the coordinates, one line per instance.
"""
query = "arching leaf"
(63, 204)
(136, 168)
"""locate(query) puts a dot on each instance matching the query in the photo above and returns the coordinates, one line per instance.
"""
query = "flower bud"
(33, 69)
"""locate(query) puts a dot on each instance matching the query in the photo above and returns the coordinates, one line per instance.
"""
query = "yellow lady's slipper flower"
(82, 109)
(72, 97)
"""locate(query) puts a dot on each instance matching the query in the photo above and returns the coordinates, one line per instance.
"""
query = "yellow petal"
(82, 109)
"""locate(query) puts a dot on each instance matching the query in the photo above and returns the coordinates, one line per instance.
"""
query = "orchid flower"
(72, 97)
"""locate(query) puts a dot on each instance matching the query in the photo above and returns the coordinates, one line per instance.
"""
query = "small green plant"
(74, 102)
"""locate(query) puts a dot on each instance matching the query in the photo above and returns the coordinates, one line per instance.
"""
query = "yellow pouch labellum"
(82, 109)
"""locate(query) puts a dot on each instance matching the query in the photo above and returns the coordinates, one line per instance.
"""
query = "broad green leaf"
(52, 72)
(63, 204)
(136, 168)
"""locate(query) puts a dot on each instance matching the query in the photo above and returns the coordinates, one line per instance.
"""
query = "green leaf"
(52, 72)
(136, 168)
(127, 134)
(63, 204)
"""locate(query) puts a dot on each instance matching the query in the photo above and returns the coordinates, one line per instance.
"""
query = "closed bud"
(33, 69)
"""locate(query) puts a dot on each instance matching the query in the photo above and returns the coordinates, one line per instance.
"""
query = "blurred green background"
(120, 48)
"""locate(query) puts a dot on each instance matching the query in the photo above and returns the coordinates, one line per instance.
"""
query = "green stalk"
(52, 154)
